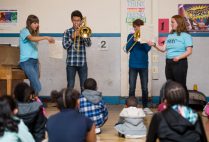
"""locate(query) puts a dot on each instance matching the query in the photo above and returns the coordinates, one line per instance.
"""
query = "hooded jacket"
(131, 122)
(93, 107)
(34, 119)
(170, 126)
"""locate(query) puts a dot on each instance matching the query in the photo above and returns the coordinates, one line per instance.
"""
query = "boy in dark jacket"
(31, 111)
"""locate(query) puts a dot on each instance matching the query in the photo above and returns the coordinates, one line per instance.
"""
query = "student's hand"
(77, 32)
(176, 59)
(50, 39)
(150, 43)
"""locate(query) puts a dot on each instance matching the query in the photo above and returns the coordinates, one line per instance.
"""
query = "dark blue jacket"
(138, 54)
(68, 126)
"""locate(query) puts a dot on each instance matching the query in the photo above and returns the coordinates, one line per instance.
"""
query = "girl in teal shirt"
(29, 37)
(178, 46)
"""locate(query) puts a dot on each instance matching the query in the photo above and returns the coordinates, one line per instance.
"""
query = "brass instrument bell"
(84, 31)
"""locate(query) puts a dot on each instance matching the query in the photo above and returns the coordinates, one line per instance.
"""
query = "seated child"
(131, 122)
(92, 105)
(177, 122)
(12, 129)
(30, 110)
(69, 125)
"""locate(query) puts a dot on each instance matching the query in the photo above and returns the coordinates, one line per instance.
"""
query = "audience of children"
(30, 110)
(131, 121)
(174, 122)
(177, 122)
(12, 129)
(92, 105)
(69, 125)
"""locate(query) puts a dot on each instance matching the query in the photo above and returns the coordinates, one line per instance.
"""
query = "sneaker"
(148, 111)
(98, 131)
(134, 136)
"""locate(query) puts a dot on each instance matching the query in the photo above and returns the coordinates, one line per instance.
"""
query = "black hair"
(32, 19)
(76, 13)
(174, 93)
(23, 92)
(131, 101)
(66, 98)
(138, 22)
(7, 121)
(90, 84)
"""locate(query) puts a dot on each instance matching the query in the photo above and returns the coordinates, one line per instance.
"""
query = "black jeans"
(143, 73)
(177, 71)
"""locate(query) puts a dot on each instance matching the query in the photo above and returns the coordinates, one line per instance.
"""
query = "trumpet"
(136, 36)
(84, 32)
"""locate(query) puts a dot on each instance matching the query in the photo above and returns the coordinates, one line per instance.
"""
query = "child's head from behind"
(66, 98)
(174, 93)
(7, 110)
(90, 84)
(7, 105)
(131, 101)
(23, 92)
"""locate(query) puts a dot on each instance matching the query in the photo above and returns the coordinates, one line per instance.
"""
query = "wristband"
(154, 44)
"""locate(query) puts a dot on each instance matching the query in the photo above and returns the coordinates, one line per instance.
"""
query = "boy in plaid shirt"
(76, 51)
(92, 105)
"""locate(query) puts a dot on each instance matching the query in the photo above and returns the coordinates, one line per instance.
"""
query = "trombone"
(136, 36)
(84, 32)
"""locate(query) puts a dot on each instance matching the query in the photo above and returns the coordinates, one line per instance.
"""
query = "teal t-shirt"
(28, 49)
(177, 45)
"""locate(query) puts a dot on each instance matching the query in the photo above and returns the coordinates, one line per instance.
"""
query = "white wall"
(103, 16)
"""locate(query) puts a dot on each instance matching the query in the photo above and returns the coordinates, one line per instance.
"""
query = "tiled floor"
(108, 132)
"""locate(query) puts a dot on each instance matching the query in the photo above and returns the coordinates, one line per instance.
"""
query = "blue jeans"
(143, 73)
(71, 72)
(31, 69)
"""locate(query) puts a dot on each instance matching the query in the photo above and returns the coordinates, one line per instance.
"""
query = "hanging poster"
(196, 16)
(8, 18)
(135, 10)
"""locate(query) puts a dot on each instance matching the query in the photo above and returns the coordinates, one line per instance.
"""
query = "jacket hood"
(133, 115)
(25, 108)
(92, 96)
(177, 122)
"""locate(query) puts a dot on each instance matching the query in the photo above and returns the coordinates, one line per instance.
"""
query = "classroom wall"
(108, 66)
(102, 16)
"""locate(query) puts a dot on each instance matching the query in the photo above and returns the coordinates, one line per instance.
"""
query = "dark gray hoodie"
(92, 96)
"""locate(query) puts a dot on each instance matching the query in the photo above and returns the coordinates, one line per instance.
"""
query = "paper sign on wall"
(163, 25)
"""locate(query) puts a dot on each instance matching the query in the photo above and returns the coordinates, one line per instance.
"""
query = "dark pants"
(177, 71)
(143, 73)
(71, 72)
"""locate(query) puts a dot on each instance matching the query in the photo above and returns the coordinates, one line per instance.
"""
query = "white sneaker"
(97, 130)
(148, 111)
(134, 136)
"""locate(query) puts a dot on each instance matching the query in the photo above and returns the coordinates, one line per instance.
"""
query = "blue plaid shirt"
(75, 57)
(96, 112)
